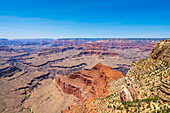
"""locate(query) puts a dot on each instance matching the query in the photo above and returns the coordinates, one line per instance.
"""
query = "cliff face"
(146, 83)
(91, 83)
(151, 75)
(96, 49)
(66, 93)
(98, 52)
(161, 51)
(40, 61)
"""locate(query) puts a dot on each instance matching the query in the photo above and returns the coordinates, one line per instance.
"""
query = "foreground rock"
(128, 92)
(161, 51)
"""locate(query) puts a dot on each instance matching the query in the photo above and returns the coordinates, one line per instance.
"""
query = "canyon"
(80, 75)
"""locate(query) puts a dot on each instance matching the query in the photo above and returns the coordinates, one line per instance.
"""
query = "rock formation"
(91, 83)
(164, 91)
(146, 83)
(26, 72)
(161, 51)
(128, 92)
(66, 92)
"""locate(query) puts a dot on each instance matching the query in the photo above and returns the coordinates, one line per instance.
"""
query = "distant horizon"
(84, 38)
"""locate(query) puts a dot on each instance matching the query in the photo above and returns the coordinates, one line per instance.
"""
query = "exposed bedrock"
(91, 83)
(128, 92)
(161, 50)
(164, 91)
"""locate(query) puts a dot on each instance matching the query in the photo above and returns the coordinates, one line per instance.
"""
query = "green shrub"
(28, 95)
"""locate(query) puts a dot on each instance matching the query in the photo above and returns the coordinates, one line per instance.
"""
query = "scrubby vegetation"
(152, 104)
(147, 75)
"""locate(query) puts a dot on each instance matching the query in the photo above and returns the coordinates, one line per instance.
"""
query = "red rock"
(92, 83)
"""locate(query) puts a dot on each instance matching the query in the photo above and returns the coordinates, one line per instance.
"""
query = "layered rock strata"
(128, 92)
(164, 91)
(91, 83)
(161, 51)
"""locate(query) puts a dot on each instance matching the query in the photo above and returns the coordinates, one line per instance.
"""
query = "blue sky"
(84, 18)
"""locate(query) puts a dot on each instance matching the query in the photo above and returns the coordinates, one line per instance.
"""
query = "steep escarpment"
(144, 89)
(68, 92)
(161, 51)
(98, 52)
(96, 49)
(151, 76)
(54, 50)
(148, 73)
(27, 86)
(91, 83)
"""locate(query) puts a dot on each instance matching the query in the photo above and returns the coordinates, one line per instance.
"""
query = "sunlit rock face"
(128, 92)
(66, 92)
(161, 51)
(91, 83)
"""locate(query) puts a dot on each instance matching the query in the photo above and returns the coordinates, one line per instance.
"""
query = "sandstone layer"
(67, 92)
(91, 83)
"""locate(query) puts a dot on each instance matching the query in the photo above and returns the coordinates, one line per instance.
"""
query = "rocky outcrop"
(145, 84)
(164, 91)
(125, 94)
(128, 92)
(161, 51)
(82, 64)
(65, 93)
(151, 75)
(91, 83)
